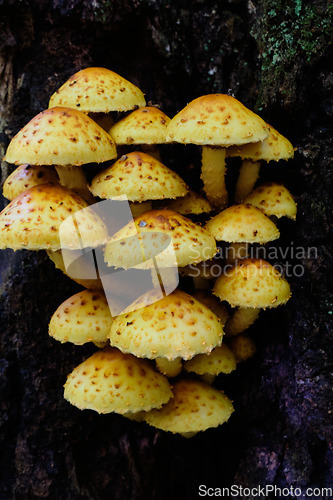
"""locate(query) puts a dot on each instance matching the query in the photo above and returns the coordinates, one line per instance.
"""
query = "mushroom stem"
(152, 150)
(170, 368)
(200, 283)
(248, 175)
(104, 120)
(237, 251)
(213, 169)
(241, 320)
(73, 177)
(138, 208)
(208, 377)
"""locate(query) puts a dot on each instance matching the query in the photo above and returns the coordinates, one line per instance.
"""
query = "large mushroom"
(176, 326)
(50, 217)
(98, 91)
(65, 138)
(216, 121)
(110, 381)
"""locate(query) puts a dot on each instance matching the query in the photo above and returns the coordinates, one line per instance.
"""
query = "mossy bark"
(277, 59)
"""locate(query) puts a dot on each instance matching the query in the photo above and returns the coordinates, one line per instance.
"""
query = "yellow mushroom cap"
(32, 221)
(273, 199)
(141, 177)
(98, 90)
(214, 304)
(110, 381)
(84, 317)
(26, 176)
(143, 126)
(61, 136)
(177, 326)
(243, 347)
(220, 360)
(191, 243)
(192, 203)
(253, 283)
(275, 147)
(195, 407)
(242, 223)
(216, 120)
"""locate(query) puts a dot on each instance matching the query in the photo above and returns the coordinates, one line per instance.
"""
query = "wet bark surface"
(277, 59)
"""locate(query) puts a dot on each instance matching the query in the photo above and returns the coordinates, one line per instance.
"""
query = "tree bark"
(274, 56)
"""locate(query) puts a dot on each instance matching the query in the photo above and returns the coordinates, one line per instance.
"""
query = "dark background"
(276, 57)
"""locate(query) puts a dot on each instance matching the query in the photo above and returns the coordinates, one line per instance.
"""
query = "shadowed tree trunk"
(274, 56)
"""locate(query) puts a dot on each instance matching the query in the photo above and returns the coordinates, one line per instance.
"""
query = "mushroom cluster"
(160, 346)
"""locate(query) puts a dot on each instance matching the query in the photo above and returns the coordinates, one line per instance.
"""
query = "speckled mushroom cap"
(141, 177)
(110, 381)
(253, 283)
(192, 203)
(32, 221)
(275, 147)
(191, 243)
(216, 120)
(143, 126)
(195, 407)
(84, 317)
(273, 199)
(177, 326)
(242, 223)
(98, 90)
(26, 176)
(61, 136)
(220, 360)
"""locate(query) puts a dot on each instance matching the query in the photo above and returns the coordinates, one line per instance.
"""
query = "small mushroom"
(274, 200)
(220, 360)
(140, 177)
(192, 203)
(253, 283)
(145, 126)
(274, 148)
(195, 407)
(26, 176)
(216, 121)
(84, 317)
(110, 381)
